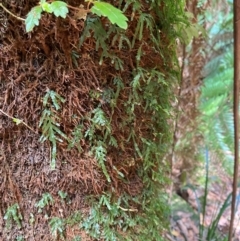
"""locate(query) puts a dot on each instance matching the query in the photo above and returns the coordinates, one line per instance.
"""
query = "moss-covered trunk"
(99, 100)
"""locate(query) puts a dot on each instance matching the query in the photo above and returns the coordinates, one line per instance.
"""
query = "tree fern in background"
(216, 119)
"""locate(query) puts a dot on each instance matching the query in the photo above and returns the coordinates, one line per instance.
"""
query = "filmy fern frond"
(100, 153)
(50, 126)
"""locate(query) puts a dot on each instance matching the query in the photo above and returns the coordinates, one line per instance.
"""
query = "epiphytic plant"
(14, 214)
(49, 124)
(60, 8)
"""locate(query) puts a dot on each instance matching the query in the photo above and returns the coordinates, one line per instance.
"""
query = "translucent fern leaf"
(53, 155)
(136, 81)
(56, 99)
(57, 130)
(124, 38)
(113, 141)
(100, 155)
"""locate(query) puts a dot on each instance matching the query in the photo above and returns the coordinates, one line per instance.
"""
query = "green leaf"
(17, 121)
(62, 194)
(115, 15)
(47, 7)
(59, 8)
(33, 17)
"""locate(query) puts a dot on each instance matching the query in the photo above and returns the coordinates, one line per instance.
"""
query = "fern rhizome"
(107, 112)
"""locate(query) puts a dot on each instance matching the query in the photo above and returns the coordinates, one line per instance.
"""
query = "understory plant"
(211, 232)
(216, 113)
(214, 127)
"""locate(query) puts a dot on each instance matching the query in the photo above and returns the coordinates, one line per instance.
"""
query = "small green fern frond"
(144, 19)
(100, 153)
(55, 98)
(77, 137)
(49, 125)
